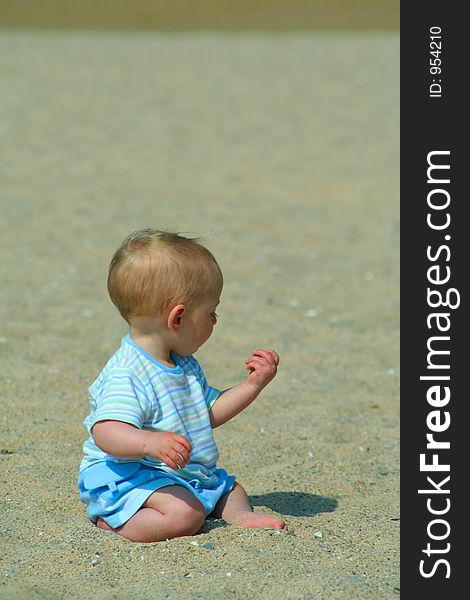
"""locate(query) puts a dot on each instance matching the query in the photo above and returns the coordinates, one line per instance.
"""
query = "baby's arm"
(126, 441)
(263, 367)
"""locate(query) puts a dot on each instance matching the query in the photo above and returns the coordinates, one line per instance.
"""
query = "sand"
(282, 151)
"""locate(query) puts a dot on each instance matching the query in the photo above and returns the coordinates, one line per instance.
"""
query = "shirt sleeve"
(121, 398)
(210, 393)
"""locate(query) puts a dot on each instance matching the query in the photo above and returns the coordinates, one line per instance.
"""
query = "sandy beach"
(281, 150)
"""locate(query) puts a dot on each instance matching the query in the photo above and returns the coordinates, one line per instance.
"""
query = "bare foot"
(101, 524)
(251, 520)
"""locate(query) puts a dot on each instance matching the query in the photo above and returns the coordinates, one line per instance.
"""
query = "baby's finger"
(256, 362)
(258, 359)
(184, 441)
(275, 356)
(179, 460)
(269, 355)
(171, 463)
(180, 449)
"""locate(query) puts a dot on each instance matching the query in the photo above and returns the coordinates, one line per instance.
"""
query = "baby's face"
(198, 324)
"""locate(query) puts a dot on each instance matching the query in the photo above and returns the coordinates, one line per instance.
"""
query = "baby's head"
(154, 270)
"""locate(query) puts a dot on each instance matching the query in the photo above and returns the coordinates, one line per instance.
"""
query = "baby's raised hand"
(171, 448)
(262, 366)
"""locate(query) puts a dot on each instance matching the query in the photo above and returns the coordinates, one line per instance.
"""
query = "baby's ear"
(175, 316)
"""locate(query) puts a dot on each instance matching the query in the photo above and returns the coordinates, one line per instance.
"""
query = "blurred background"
(271, 129)
(201, 15)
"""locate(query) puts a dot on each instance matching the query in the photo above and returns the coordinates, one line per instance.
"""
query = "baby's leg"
(172, 511)
(235, 508)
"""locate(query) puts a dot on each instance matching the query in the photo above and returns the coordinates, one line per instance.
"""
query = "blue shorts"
(116, 491)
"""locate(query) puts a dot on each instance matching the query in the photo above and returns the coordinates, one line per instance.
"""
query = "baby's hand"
(262, 366)
(171, 448)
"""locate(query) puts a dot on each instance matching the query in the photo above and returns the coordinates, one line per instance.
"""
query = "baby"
(149, 470)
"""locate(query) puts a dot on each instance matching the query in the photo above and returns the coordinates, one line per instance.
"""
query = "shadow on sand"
(295, 504)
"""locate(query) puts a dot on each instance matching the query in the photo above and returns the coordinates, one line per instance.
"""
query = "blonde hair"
(153, 269)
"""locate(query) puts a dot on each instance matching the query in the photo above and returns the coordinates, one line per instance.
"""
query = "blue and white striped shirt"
(135, 388)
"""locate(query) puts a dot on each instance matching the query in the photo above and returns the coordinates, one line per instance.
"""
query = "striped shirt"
(135, 388)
